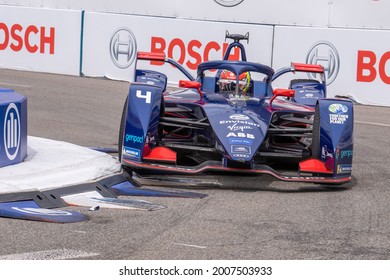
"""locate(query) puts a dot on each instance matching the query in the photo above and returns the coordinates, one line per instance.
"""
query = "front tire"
(122, 130)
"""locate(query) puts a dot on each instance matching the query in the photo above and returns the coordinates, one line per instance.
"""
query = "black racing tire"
(315, 145)
(122, 129)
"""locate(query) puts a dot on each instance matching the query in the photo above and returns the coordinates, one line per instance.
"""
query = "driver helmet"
(227, 82)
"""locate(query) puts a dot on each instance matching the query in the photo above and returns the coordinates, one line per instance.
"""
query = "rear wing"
(300, 67)
(311, 68)
(158, 56)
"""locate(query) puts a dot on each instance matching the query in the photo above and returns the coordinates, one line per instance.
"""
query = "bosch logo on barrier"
(123, 47)
(191, 53)
(325, 54)
(12, 131)
(31, 38)
(229, 3)
(367, 68)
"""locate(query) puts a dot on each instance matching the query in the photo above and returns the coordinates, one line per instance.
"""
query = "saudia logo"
(229, 3)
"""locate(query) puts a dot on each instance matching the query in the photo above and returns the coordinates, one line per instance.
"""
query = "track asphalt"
(273, 220)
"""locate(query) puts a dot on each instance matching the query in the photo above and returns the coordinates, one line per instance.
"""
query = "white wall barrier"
(357, 62)
(41, 40)
(111, 42)
(48, 40)
(366, 14)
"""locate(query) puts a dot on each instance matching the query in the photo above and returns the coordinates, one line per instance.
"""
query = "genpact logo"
(325, 54)
(229, 3)
(134, 138)
(123, 47)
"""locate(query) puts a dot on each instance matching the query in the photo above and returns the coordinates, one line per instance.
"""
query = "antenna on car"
(236, 44)
(237, 37)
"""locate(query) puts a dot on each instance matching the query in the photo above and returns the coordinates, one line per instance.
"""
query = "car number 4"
(147, 96)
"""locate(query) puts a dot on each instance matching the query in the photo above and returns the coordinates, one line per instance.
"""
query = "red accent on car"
(191, 84)
(282, 92)
(314, 166)
(151, 56)
(161, 154)
(308, 67)
(192, 171)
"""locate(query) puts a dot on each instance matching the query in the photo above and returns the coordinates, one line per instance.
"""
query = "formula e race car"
(230, 119)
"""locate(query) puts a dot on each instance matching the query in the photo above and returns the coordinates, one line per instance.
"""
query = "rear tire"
(315, 144)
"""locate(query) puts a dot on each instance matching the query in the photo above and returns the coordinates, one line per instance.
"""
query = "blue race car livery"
(230, 119)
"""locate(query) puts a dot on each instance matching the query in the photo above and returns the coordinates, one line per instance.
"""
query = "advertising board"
(40, 40)
(111, 42)
(354, 66)
(364, 14)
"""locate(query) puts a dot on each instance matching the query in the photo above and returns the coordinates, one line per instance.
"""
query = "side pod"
(333, 135)
(140, 127)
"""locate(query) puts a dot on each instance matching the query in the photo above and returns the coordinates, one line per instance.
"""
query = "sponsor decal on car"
(344, 154)
(239, 122)
(325, 154)
(237, 127)
(344, 168)
(338, 108)
(240, 141)
(241, 149)
(240, 135)
(241, 156)
(239, 117)
(134, 153)
(339, 113)
(134, 138)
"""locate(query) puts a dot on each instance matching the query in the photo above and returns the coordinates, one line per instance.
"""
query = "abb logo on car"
(192, 53)
(31, 38)
(368, 69)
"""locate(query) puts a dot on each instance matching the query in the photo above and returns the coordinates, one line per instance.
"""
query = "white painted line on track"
(189, 245)
(373, 123)
(60, 254)
(14, 85)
